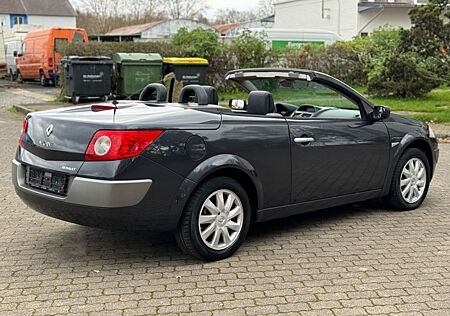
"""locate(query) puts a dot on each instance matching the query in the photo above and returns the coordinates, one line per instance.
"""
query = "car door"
(335, 151)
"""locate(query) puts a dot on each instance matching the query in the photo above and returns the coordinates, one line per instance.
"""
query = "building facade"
(346, 18)
(44, 13)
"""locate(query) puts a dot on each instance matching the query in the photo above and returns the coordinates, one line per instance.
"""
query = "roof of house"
(37, 7)
(225, 28)
(132, 29)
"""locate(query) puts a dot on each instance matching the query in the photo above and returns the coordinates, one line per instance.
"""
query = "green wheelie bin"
(136, 70)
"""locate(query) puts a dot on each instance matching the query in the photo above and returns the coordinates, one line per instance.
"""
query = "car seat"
(260, 102)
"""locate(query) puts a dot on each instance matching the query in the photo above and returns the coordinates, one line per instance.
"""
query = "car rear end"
(85, 165)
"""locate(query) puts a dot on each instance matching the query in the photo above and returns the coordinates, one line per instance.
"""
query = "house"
(231, 30)
(158, 30)
(346, 18)
(45, 13)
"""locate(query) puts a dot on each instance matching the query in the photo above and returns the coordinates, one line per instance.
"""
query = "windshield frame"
(240, 76)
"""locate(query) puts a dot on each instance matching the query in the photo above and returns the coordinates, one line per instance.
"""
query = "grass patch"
(440, 117)
(12, 109)
(433, 106)
(437, 100)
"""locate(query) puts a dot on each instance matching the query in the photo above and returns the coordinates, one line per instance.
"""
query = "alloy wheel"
(413, 180)
(221, 219)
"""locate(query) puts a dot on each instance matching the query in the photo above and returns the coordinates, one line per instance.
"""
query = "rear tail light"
(23, 133)
(50, 62)
(115, 145)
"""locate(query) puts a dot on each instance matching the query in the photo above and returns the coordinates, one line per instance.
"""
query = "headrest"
(260, 102)
(154, 92)
(213, 97)
(195, 90)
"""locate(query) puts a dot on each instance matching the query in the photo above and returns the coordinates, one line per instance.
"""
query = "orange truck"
(41, 58)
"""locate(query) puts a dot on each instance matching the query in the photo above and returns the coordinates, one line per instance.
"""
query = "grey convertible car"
(300, 141)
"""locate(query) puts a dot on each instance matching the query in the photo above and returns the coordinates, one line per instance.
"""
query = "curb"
(22, 109)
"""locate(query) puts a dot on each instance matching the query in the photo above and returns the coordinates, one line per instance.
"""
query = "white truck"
(3, 69)
(280, 38)
(12, 43)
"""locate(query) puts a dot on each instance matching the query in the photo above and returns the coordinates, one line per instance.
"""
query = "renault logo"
(49, 130)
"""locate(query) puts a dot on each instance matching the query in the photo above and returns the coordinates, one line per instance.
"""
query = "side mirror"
(237, 104)
(380, 113)
(15, 54)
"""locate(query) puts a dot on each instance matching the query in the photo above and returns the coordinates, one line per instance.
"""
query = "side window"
(78, 38)
(59, 43)
(315, 100)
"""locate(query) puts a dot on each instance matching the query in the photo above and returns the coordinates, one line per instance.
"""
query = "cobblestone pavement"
(350, 260)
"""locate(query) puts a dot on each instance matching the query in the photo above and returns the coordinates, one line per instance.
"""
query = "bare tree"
(266, 8)
(187, 9)
(229, 15)
(142, 11)
(101, 16)
(101, 13)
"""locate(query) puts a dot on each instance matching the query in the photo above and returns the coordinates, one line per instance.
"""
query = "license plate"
(46, 180)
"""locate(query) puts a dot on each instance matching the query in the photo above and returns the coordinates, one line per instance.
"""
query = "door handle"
(303, 140)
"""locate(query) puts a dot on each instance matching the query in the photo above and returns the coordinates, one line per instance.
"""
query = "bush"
(198, 43)
(401, 74)
(109, 48)
(349, 61)
(251, 50)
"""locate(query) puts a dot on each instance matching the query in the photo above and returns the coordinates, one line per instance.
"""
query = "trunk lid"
(64, 134)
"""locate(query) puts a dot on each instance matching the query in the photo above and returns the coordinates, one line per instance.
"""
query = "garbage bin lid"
(186, 60)
(85, 58)
(137, 57)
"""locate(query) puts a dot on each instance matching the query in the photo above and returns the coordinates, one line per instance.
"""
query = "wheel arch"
(423, 146)
(232, 166)
(407, 142)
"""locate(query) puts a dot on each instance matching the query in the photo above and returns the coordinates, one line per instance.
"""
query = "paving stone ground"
(351, 260)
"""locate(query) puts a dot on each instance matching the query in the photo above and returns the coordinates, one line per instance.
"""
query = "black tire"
(12, 77)
(395, 197)
(44, 81)
(188, 232)
(19, 77)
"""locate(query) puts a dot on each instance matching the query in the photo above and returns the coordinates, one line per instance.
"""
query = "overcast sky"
(213, 5)
(236, 4)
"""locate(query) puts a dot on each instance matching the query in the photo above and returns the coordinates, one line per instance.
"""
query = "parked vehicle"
(3, 69)
(12, 48)
(13, 40)
(281, 38)
(41, 57)
(207, 172)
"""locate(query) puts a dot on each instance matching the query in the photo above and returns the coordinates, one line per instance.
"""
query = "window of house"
(18, 19)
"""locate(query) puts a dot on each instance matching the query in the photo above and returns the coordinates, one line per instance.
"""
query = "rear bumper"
(116, 204)
(90, 192)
